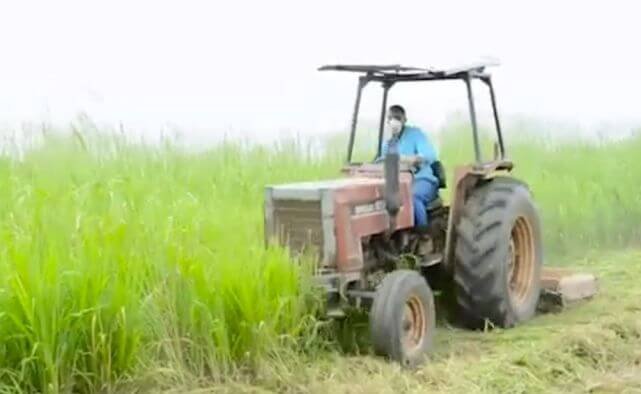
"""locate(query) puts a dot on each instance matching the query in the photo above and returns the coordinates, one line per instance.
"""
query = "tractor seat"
(435, 204)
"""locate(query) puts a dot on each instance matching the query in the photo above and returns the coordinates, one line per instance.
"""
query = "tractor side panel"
(360, 211)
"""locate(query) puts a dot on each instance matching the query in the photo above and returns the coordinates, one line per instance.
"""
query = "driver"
(415, 150)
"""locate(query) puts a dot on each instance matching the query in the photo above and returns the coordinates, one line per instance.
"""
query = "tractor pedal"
(431, 259)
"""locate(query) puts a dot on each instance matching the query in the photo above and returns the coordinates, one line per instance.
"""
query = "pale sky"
(250, 66)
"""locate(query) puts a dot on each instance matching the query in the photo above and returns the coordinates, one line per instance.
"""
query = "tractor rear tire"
(499, 256)
(402, 318)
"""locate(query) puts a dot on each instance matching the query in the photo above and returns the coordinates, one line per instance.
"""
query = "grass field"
(128, 267)
(594, 347)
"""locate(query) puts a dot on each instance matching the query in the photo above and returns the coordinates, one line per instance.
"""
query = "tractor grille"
(299, 225)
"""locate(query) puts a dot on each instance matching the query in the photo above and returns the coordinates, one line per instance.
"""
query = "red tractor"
(484, 248)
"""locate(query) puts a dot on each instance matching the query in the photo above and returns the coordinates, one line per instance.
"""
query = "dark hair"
(397, 108)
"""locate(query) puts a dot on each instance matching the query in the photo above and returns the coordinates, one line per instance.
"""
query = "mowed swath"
(124, 263)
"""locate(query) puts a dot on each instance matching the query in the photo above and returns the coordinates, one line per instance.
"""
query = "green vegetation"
(131, 266)
(588, 192)
(122, 260)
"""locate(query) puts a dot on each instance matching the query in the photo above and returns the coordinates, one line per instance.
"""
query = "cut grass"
(591, 347)
(129, 267)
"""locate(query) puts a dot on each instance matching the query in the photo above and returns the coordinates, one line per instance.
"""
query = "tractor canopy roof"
(397, 72)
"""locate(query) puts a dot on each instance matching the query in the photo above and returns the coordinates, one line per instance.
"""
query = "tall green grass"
(588, 191)
(123, 262)
(119, 259)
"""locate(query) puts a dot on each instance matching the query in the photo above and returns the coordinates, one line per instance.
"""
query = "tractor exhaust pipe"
(391, 171)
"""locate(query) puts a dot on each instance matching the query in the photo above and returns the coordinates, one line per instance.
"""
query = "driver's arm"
(425, 152)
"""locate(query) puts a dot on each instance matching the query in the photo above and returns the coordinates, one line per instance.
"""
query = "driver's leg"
(423, 192)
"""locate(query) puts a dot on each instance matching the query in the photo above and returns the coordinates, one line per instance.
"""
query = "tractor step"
(562, 288)
(430, 260)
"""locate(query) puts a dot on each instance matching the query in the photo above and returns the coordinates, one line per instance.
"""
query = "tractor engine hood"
(332, 217)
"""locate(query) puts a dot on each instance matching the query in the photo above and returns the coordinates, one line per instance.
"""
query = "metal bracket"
(362, 81)
(470, 99)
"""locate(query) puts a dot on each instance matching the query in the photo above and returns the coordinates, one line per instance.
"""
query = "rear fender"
(466, 178)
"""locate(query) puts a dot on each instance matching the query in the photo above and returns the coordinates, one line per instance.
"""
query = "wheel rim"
(520, 261)
(414, 324)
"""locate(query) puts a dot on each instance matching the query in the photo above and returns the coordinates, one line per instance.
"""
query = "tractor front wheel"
(498, 256)
(402, 318)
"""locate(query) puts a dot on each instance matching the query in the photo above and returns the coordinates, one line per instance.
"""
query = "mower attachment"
(561, 288)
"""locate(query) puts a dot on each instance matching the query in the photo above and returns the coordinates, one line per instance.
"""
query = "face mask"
(395, 126)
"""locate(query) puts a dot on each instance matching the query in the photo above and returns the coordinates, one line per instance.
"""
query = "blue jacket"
(413, 141)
